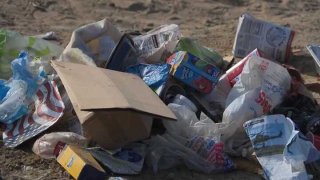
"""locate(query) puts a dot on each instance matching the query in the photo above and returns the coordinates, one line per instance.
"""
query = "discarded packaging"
(128, 160)
(213, 110)
(80, 164)
(226, 82)
(315, 53)
(46, 111)
(204, 54)
(154, 75)
(193, 71)
(188, 125)
(118, 108)
(262, 86)
(280, 149)
(17, 94)
(95, 42)
(39, 50)
(158, 43)
(199, 153)
(273, 40)
(123, 55)
(46, 146)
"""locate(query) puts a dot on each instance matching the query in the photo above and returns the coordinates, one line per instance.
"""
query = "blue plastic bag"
(17, 93)
(154, 75)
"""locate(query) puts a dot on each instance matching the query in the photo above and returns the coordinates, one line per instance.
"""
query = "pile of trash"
(160, 99)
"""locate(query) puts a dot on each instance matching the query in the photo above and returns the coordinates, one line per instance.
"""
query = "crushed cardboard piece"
(114, 108)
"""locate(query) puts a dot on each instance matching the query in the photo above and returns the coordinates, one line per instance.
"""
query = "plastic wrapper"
(39, 50)
(188, 125)
(45, 146)
(17, 94)
(280, 149)
(47, 108)
(262, 85)
(206, 55)
(158, 43)
(128, 160)
(92, 43)
(198, 153)
(154, 75)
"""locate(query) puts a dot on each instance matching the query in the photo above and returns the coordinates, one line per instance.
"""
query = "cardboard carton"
(80, 164)
(114, 108)
(193, 71)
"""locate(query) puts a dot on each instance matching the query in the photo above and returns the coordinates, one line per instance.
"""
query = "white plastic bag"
(188, 125)
(220, 92)
(96, 42)
(46, 145)
(262, 86)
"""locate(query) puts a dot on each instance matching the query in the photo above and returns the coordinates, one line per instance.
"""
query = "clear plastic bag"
(18, 92)
(199, 153)
(46, 145)
(188, 125)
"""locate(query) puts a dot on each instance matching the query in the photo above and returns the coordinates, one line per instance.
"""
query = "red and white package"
(48, 108)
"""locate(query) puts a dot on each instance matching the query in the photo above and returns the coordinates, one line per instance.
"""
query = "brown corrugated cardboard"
(114, 108)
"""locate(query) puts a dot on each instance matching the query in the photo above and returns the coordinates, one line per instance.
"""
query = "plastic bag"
(128, 160)
(45, 112)
(17, 93)
(262, 85)
(188, 125)
(45, 146)
(158, 43)
(95, 42)
(154, 75)
(40, 51)
(280, 149)
(220, 92)
(199, 153)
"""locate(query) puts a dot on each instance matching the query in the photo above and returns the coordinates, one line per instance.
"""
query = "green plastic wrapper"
(11, 43)
(203, 53)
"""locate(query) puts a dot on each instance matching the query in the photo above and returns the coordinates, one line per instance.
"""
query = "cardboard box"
(80, 164)
(194, 72)
(114, 108)
(274, 40)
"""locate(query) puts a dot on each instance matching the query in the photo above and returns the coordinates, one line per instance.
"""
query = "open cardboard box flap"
(101, 89)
